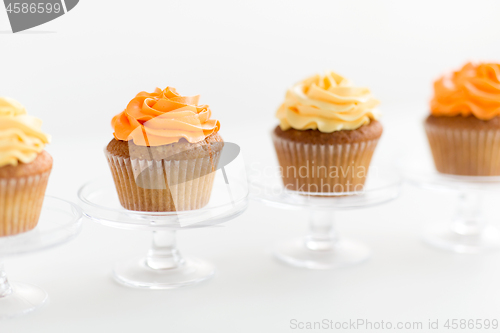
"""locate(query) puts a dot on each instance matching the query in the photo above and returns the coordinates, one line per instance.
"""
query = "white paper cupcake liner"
(469, 152)
(163, 185)
(21, 201)
(323, 168)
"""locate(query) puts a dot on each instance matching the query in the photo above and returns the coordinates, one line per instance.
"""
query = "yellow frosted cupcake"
(24, 168)
(327, 134)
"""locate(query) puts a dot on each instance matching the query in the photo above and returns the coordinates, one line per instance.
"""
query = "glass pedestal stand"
(60, 222)
(467, 231)
(322, 247)
(163, 266)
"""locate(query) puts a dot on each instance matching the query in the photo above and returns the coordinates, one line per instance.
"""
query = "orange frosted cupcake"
(463, 128)
(165, 151)
(24, 168)
(327, 134)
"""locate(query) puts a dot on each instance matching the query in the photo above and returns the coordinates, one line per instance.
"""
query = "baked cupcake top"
(21, 137)
(163, 117)
(472, 90)
(327, 103)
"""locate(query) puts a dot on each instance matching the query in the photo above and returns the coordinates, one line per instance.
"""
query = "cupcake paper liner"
(331, 168)
(21, 202)
(163, 185)
(466, 152)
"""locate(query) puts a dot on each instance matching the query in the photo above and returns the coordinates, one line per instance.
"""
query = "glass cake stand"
(60, 222)
(467, 231)
(322, 247)
(164, 267)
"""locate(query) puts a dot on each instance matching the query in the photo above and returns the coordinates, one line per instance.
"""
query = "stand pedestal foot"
(22, 299)
(343, 253)
(468, 232)
(321, 248)
(163, 267)
(136, 273)
(445, 238)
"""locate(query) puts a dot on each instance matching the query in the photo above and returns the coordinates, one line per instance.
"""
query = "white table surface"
(251, 292)
(79, 70)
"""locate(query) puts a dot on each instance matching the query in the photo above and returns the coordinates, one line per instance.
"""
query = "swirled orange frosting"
(163, 117)
(472, 90)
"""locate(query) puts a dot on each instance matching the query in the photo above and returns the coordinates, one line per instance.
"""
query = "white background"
(79, 70)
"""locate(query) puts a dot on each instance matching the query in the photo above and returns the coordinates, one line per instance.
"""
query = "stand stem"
(164, 253)
(468, 220)
(322, 236)
(5, 288)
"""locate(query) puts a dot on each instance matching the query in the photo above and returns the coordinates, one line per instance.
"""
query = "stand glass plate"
(60, 222)
(164, 267)
(467, 231)
(322, 248)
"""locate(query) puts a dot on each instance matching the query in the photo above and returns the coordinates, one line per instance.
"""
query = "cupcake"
(164, 152)
(24, 168)
(327, 134)
(463, 128)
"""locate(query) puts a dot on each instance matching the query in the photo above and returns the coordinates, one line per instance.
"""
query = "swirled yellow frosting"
(327, 103)
(21, 138)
